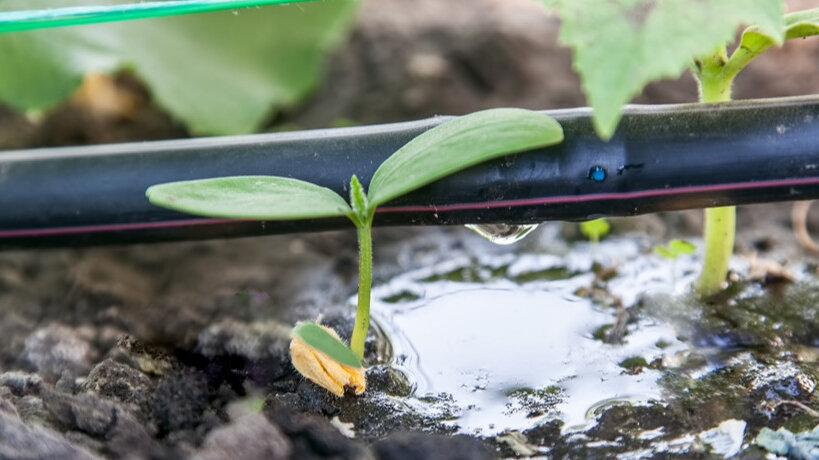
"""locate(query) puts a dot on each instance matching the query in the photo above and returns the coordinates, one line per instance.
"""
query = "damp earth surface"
(550, 347)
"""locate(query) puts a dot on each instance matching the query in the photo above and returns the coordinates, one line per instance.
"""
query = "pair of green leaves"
(445, 149)
(675, 249)
(439, 152)
(595, 229)
(622, 45)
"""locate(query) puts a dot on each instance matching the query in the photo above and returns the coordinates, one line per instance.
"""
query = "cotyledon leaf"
(318, 338)
(458, 144)
(681, 246)
(665, 252)
(756, 40)
(250, 197)
(802, 23)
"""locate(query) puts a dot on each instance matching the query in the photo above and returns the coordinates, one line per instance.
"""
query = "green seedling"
(594, 230)
(673, 251)
(437, 153)
(620, 46)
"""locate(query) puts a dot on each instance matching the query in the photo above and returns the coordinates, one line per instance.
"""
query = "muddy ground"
(179, 350)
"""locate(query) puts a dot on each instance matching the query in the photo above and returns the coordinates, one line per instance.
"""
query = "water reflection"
(512, 355)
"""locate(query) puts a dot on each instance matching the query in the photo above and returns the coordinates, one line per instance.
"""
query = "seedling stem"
(365, 270)
(720, 222)
(363, 219)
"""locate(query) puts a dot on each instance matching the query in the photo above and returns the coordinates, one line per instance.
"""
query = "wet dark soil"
(180, 350)
(195, 363)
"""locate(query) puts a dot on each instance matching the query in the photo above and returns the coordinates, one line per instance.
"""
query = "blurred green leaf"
(458, 144)
(681, 246)
(663, 251)
(621, 45)
(250, 197)
(315, 336)
(675, 248)
(220, 73)
(595, 229)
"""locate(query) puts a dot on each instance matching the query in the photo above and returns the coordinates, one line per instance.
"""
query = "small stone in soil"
(18, 440)
(422, 446)
(179, 401)
(252, 435)
(312, 436)
(57, 351)
(121, 383)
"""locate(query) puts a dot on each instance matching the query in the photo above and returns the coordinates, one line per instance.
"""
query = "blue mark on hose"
(598, 173)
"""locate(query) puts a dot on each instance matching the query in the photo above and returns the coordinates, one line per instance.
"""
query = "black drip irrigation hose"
(661, 158)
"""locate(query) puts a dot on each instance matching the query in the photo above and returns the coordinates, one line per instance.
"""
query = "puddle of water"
(512, 342)
(512, 352)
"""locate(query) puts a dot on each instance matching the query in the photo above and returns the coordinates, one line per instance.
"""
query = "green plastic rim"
(13, 21)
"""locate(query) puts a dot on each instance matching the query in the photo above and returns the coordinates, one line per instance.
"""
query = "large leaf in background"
(621, 45)
(220, 73)
(457, 144)
(250, 197)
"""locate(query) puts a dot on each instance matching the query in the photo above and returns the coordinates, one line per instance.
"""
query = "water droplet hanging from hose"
(502, 233)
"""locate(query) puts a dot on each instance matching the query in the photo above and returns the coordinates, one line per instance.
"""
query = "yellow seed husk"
(323, 370)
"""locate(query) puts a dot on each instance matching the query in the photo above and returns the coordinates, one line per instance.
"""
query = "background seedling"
(715, 74)
(594, 230)
(673, 251)
(675, 248)
(620, 46)
(439, 152)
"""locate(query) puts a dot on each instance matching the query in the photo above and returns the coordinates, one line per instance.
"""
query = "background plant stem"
(719, 245)
(720, 223)
(365, 271)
